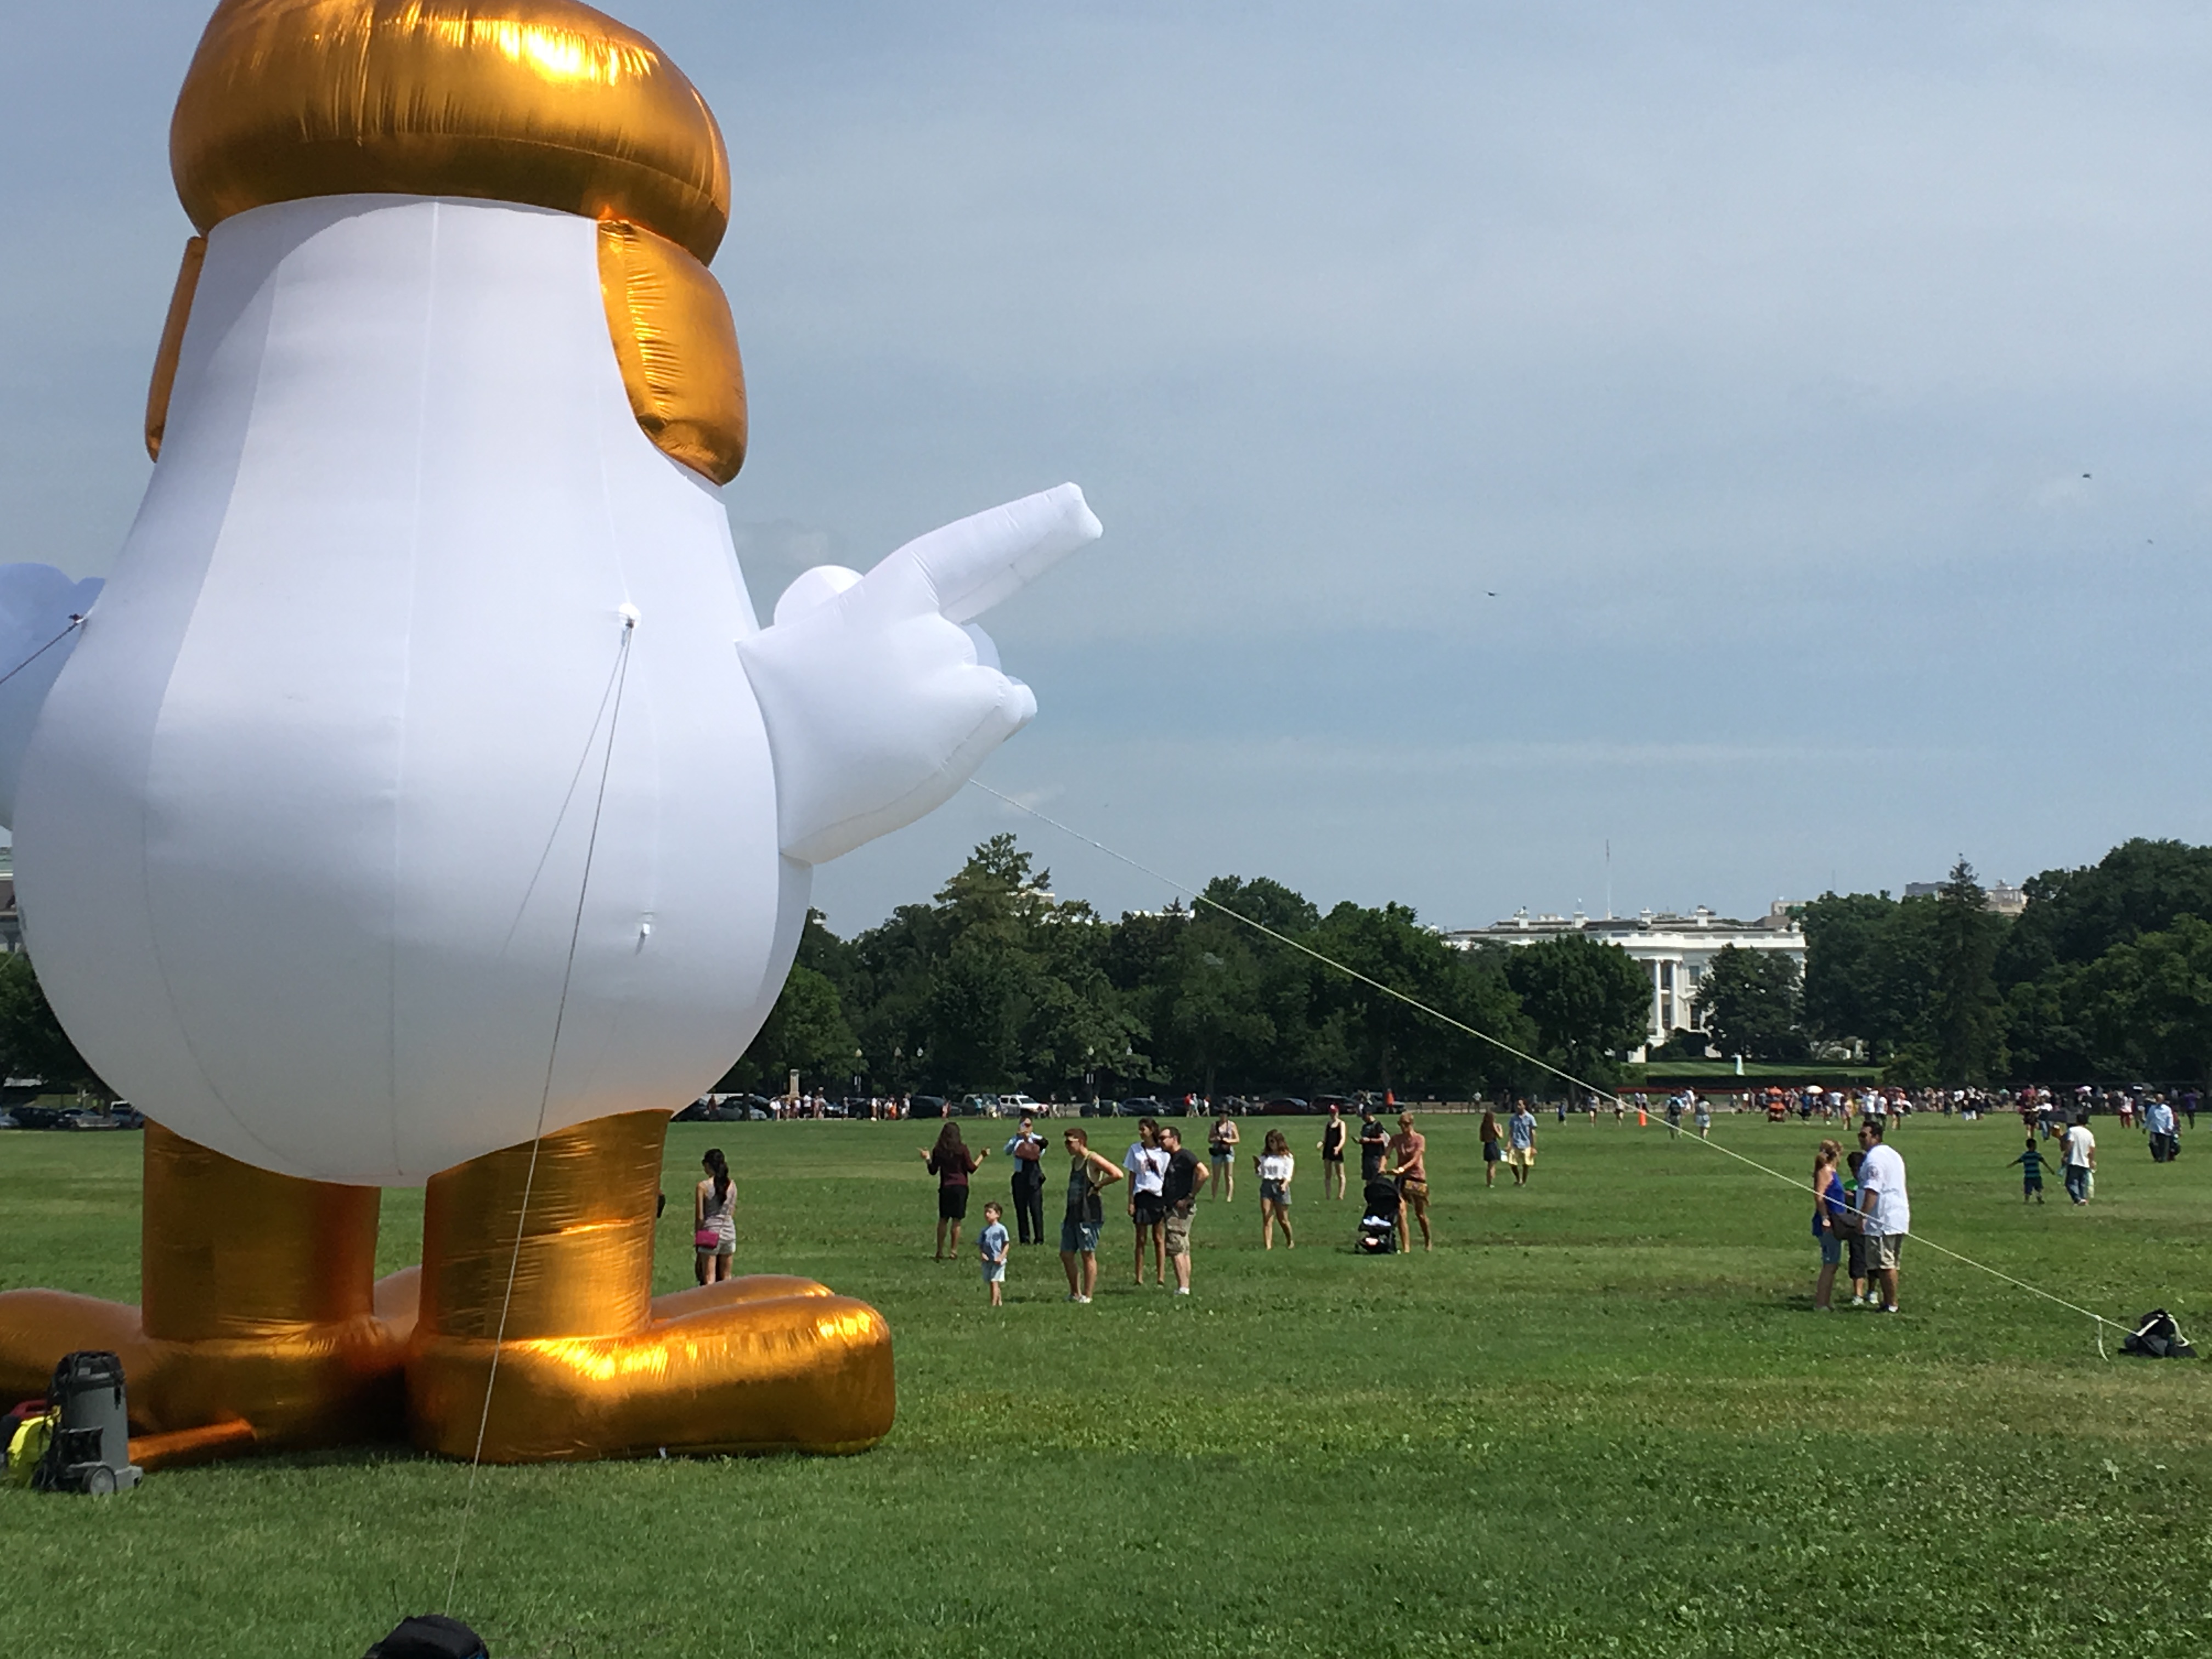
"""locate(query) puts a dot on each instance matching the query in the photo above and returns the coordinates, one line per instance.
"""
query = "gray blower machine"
(90, 1451)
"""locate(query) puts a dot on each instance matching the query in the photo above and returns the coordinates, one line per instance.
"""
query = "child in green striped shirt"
(2031, 1173)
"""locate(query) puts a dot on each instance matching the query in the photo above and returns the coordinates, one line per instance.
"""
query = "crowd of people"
(1164, 1180)
(1861, 1213)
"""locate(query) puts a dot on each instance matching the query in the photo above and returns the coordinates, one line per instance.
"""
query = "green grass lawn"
(1600, 1418)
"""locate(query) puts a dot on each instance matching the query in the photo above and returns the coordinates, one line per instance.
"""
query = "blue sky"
(1770, 438)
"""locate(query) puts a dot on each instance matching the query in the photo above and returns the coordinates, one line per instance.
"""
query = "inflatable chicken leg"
(422, 779)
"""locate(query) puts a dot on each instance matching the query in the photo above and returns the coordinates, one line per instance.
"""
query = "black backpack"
(2157, 1337)
(430, 1635)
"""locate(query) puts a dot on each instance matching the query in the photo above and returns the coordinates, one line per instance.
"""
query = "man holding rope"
(1886, 1216)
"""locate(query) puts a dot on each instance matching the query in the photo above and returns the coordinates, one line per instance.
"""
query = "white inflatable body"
(415, 630)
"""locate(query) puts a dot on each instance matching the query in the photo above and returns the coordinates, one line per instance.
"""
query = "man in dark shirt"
(1179, 1191)
(1027, 1150)
(1374, 1145)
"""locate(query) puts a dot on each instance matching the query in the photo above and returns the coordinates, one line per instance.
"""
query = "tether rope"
(76, 622)
(1199, 898)
(545, 1095)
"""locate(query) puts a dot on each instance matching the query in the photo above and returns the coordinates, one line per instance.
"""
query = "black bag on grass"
(2157, 1337)
(430, 1635)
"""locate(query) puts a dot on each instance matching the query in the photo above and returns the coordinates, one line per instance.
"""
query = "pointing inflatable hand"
(879, 700)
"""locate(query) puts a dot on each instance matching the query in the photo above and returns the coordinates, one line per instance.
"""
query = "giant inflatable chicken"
(420, 800)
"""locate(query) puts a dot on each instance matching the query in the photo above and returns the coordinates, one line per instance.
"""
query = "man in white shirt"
(2158, 1118)
(1886, 1215)
(2080, 1159)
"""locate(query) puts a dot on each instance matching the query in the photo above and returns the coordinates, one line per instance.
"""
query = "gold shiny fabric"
(258, 1308)
(591, 1365)
(172, 341)
(677, 348)
(547, 102)
(262, 1330)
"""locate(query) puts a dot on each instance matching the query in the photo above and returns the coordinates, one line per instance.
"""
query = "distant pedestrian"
(2189, 1106)
(1221, 1152)
(1674, 1116)
(713, 1220)
(1334, 1133)
(1088, 1176)
(1831, 1210)
(2079, 1152)
(1704, 1115)
(1147, 1167)
(1027, 1150)
(951, 1163)
(2031, 1173)
(1521, 1145)
(2158, 1119)
(1275, 1167)
(1374, 1146)
(995, 1247)
(1493, 1147)
(1179, 1191)
(1884, 1209)
(1407, 1150)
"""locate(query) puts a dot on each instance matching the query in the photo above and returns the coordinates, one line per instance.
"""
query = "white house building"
(1675, 951)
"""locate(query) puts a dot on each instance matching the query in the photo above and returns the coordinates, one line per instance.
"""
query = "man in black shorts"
(1179, 1191)
(1334, 1133)
(1374, 1146)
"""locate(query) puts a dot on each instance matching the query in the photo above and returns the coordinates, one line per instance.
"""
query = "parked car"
(1283, 1106)
(87, 1117)
(37, 1117)
(127, 1115)
(1019, 1105)
(1141, 1106)
(925, 1106)
(977, 1106)
(8, 1120)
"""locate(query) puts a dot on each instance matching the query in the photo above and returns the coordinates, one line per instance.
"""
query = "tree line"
(2105, 976)
(997, 984)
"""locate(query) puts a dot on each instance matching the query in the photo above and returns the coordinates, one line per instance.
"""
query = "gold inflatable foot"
(256, 1308)
(591, 1364)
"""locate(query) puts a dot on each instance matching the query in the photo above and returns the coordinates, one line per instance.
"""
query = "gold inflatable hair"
(547, 102)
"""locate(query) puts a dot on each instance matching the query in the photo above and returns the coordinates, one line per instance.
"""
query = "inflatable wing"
(40, 610)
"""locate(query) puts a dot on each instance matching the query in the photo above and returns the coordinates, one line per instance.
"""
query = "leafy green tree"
(1385, 1043)
(807, 1031)
(2147, 1004)
(32, 1041)
(1751, 1003)
(2076, 915)
(1964, 1022)
(1848, 939)
(1589, 1001)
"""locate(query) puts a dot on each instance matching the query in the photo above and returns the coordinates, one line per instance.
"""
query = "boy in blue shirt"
(993, 1245)
(2031, 1173)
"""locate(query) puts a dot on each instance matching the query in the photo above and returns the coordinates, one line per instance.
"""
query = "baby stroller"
(1378, 1225)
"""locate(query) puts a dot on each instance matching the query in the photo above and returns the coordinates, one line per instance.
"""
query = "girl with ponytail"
(713, 1220)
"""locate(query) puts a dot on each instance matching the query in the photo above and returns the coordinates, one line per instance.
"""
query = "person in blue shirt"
(1521, 1145)
(994, 1245)
(1831, 1215)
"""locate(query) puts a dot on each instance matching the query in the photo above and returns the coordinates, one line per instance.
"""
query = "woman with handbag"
(713, 1220)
